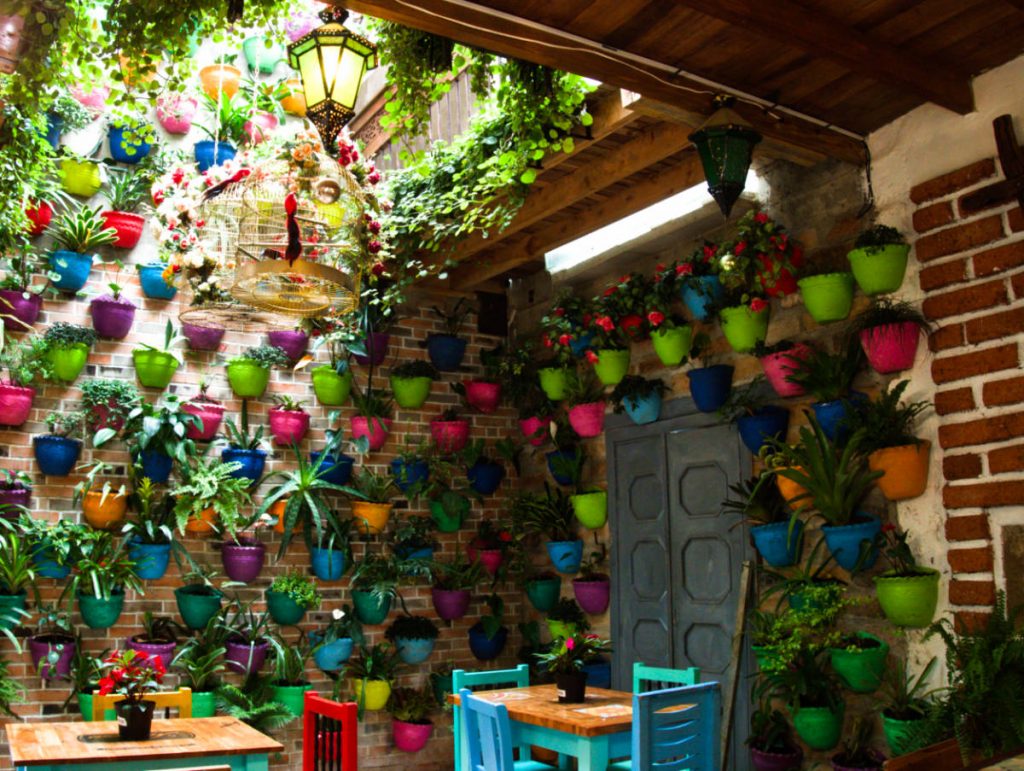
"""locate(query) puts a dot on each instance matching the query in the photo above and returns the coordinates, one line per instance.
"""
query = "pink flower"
(757, 305)
(570, 643)
(655, 318)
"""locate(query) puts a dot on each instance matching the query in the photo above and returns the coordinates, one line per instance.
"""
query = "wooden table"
(179, 743)
(538, 719)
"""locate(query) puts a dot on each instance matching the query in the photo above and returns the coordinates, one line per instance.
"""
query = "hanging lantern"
(725, 143)
(331, 61)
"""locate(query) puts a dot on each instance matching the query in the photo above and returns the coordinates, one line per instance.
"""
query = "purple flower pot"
(776, 761)
(410, 737)
(164, 650)
(11, 497)
(243, 658)
(292, 341)
(243, 561)
(112, 318)
(450, 604)
(376, 349)
(202, 338)
(59, 665)
(593, 596)
(23, 311)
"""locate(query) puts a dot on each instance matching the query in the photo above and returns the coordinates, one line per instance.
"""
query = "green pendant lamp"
(725, 144)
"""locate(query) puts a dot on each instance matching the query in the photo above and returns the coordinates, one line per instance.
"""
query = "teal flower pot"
(197, 607)
(10, 605)
(543, 593)
(368, 609)
(414, 650)
(99, 613)
(283, 609)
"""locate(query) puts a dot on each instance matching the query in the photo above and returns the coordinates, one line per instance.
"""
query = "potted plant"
(828, 377)
(448, 500)
(336, 465)
(150, 534)
(198, 599)
(699, 285)
(639, 397)
(483, 393)
(103, 574)
(566, 619)
(248, 638)
(330, 555)
(292, 341)
(199, 666)
(592, 586)
(226, 131)
(24, 361)
(253, 704)
(57, 452)
(856, 752)
(371, 674)
(487, 637)
(413, 637)
(483, 472)
(333, 643)
(249, 373)
(827, 289)
(781, 360)
(879, 260)
(245, 449)
(124, 194)
(710, 384)
(542, 588)
(156, 287)
(102, 509)
(20, 302)
(412, 538)
(447, 349)
(371, 500)
(66, 113)
(17, 576)
(758, 422)
(108, 403)
(812, 696)
(410, 467)
(551, 515)
(265, 110)
(410, 710)
(208, 412)
(15, 494)
(290, 596)
(202, 338)
(450, 431)
(609, 355)
(410, 383)
(131, 674)
(220, 78)
(771, 742)
(907, 592)
(289, 423)
(906, 706)
(810, 589)
(206, 492)
(112, 315)
(453, 583)
(489, 545)
(155, 366)
(157, 437)
(159, 636)
(55, 545)
(86, 670)
(128, 139)
(77, 234)
(671, 335)
(374, 586)
(565, 661)
(332, 382)
(53, 646)
(290, 684)
(373, 418)
(889, 333)
(79, 176)
(67, 349)
(585, 399)
(175, 112)
(859, 661)
(777, 534)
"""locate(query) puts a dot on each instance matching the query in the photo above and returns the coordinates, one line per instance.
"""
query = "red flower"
(592, 357)
(655, 318)
(684, 269)
(560, 312)
(374, 246)
(610, 291)
(740, 248)
(888, 527)
(757, 305)
(377, 269)
(659, 268)
(505, 536)
(374, 178)
(547, 341)
(709, 252)
(760, 218)
(373, 226)
(606, 323)
(106, 686)
(587, 318)
(564, 339)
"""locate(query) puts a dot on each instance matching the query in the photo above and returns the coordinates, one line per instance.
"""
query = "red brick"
(995, 326)
(999, 259)
(972, 592)
(1015, 219)
(943, 275)
(1006, 459)
(955, 400)
(971, 620)
(934, 216)
(982, 431)
(970, 528)
(965, 365)
(956, 467)
(1009, 493)
(952, 181)
(959, 238)
(944, 338)
(996, 393)
(972, 298)
(973, 560)
(1017, 282)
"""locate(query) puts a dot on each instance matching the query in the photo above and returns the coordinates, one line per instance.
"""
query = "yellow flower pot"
(81, 178)
(377, 693)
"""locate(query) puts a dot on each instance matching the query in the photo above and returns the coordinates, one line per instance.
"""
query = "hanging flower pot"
(327, 564)
(293, 697)
(203, 338)
(778, 543)
(909, 601)
(879, 269)
(793, 493)
(860, 662)
(827, 297)
(409, 473)
(371, 518)
(554, 382)
(779, 366)
(154, 368)
(126, 144)
(197, 604)
(244, 560)
(51, 655)
(376, 349)
(414, 650)
(337, 469)
(128, 226)
(40, 215)
(904, 736)
(818, 727)
(210, 414)
(446, 352)
(20, 308)
(283, 608)
(612, 365)
(450, 436)
(81, 178)
(557, 461)
(710, 386)
(176, 113)
(10, 605)
(560, 630)
(209, 153)
(904, 470)
(369, 608)
(543, 592)
(373, 695)
(834, 416)
(295, 102)
(744, 327)
(45, 561)
(700, 294)
(14, 494)
(15, 404)
(490, 559)
(260, 56)
(104, 510)
(248, 380)
(410, 737)
(288, 427)
(593, 596)
(101, 612)
(891, 347)
(485, 476)
(68, 362)
(245, 658)
(260, 127)
(252, 462)
(535, 430)
(220, 79)
(112, 317)
(769, 422)
(56, 455)
(151, 559)
(330, 657)
(410, 392)
(566, 556)
(487, 648)
(165, 650)
(587, 420)
(844, 541)
(71, 269)
(776, 761)
(151, 279)
(331, 388)
(591, 509)
(447, 518)
(156, 465)
(672, 345)
(375, 430)
(643, 409)
(94, 100)
(292, 341)
(450, 604)
(483, 395)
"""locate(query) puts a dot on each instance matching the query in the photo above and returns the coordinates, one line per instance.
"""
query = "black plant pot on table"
(134, 721)
(572, 687)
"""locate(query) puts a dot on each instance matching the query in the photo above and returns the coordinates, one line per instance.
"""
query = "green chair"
(484, 681)
(647, 678)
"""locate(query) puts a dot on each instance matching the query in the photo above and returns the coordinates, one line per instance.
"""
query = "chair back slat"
(329, 735)
(180, 700)
(678, 728)
(486, 680)
(647, 678)
(488, 734)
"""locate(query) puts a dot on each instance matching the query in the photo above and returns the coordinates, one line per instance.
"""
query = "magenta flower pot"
(376, 430)
(15, 404)
(482, 395)
(593, 596)
(587, 420)
(450, 604)
(450, 436)
(164, 650)
(288, 427)
(260, 127)
(410, 737)
(491, 559)
(243, 561)
(176, 113)
(376, 349)
(112, 318)
(776, 761)
(202, 338)
(210, 415)
(891, 347)
(292, 341)
(535, 430)
(779, 366)
(53, 654)
(21, 311)
(244, 658)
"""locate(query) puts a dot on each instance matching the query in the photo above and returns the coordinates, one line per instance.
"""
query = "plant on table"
(132, 674)
(566, 660)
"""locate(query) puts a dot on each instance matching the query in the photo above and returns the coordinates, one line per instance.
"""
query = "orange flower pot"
(104, 513)
(904, 469)
(371, 517)
(220, 78)
(294, 103)
(277, 510)
(792, 490)
(203, 524)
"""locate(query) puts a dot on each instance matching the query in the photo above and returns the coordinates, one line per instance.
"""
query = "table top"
(604, 712)
(42, 744)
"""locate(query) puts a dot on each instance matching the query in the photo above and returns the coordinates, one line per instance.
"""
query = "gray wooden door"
(676, 556)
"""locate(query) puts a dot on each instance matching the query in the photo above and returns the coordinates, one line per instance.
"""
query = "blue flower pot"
(54, 128)
(332, 656)
(340, 467)
(414, 650)
(72, 269)
(446, 352)
(122, 149)
(327, 564)
(553, 458)
(56, 455)
(844, 541)
(832, 416)
(485, 477)
(566, 555)
(408, 474)
(768, 422)
(157, 466)
(599, 674)
(425, 553)
(644, 409)
(46, 566)
(151, 559)
(485, 649)
(581, 344)
(252, 462)
(710, 386)
(699, 299)
(779, 546)
(153, 284)
(210, 153)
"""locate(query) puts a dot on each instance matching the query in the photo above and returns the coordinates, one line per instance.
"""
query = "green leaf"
(528, 177)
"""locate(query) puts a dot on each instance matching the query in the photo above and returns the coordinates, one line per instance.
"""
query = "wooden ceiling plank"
(830, 38)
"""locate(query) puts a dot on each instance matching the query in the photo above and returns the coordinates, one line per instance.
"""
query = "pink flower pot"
(292, 341)
(20, 312)
(376, 430)
(260, 127)
(288, 427)
(449, 436)
(112, 318)
(100, 418)
(210, 414)
(450, 604)
(587, 420)
(95, 99)
(491, 559)
(891, 347)
(779, 366)
(482, 395)
(593, 596)
(202, 338)
(300, 25)
(176, 113)
(535, 430)
(15, 404)
(410, 737)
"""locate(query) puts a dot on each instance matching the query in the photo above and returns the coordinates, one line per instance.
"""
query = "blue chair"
(676, 729)
(647, 678)
(488, 680)
(489, 737)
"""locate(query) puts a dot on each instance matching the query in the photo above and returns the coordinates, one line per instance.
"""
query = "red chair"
(329, 734)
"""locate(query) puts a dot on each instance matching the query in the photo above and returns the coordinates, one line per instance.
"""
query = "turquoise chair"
(647, 678)
(488, 680)
(676, 729)
(489, 737)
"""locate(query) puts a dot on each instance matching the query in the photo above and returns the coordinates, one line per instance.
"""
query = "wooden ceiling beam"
(822, 35)
(481, 27)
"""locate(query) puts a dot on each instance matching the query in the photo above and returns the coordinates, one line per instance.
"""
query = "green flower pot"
(612, 365)
(411, 392)
(672, 345)
(903, 736)
(818, 727)
(81, 178)
(909, 601)
(879, 270)
(591, 509)
(828, 297)
(85, 707)
(283, 609)
(553, 383)
(154, 368)
(292, 696)
(10, 604)
(543, 593)
(98, 613)
(744, 328)
(861, 670)
(196, 609)
(68, 363)
(765, 656)
(561, 629)
(368, 608)
(247, 378)
(204, 703)
(448, 522)
(331, 389)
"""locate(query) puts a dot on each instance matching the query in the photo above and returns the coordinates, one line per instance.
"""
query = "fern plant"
(253, 706)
